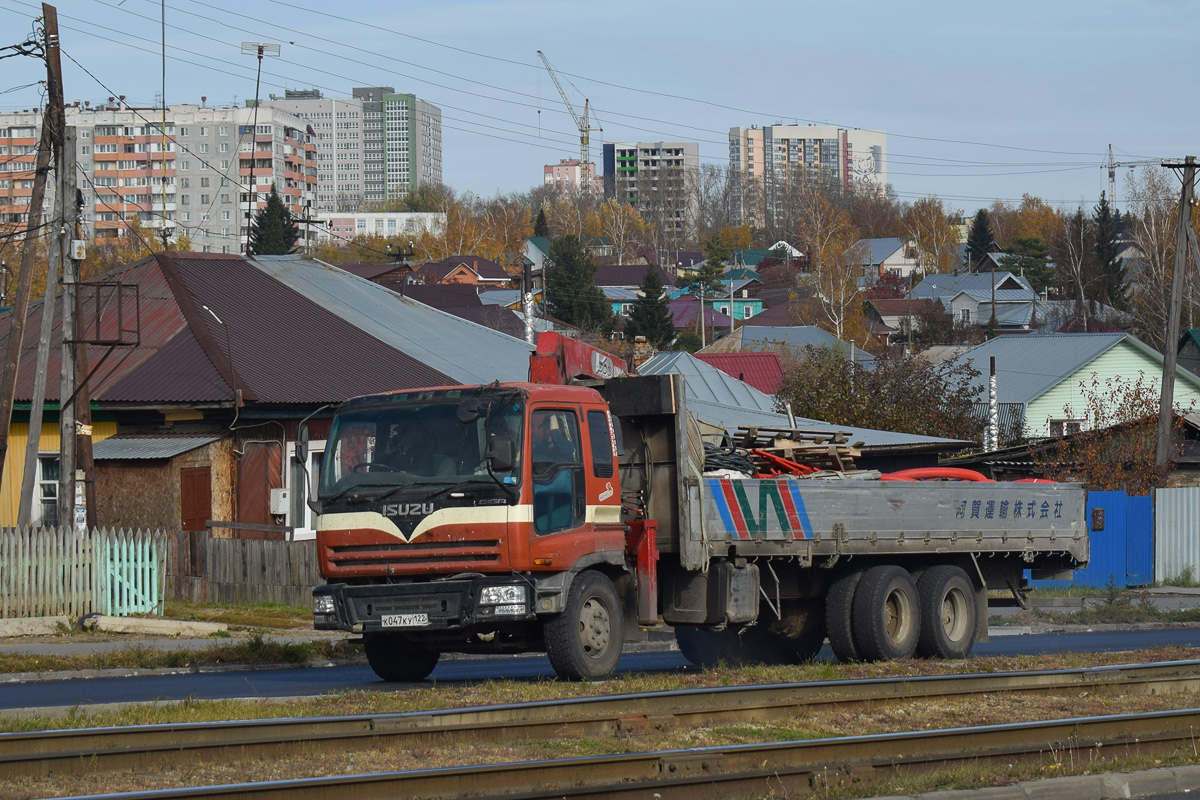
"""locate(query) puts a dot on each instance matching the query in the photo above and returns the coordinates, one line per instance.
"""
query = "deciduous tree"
(905, 394)
(835, 265)
(621, 224)
(930, 226)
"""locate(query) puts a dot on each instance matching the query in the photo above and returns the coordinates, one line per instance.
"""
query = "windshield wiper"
(362, 486)
(472, 481)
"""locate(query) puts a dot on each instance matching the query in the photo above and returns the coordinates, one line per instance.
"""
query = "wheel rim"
(595, 628)
(897, 616)
(954, 614)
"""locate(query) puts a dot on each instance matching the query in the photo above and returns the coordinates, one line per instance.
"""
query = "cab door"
(559, 502)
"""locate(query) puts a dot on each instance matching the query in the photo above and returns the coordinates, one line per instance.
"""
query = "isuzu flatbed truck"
(568, 513)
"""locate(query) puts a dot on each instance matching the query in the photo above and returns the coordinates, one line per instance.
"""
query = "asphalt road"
(278, 683)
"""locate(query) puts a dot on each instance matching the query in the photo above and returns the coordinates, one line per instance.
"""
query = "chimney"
(203, 100)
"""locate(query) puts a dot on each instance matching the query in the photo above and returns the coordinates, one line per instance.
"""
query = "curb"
(1171, 782)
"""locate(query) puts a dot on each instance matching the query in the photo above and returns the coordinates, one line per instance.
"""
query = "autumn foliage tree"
(829, 239)
(930, 226)
(904, 394)
(1116, 451)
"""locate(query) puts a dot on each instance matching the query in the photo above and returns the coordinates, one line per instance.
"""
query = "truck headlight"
(504, 595)
(323, 604)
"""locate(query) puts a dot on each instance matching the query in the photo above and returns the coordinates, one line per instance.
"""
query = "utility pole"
(250, 49)
(527, 300)
(52, 117)
(1183, 238)
(76, 482)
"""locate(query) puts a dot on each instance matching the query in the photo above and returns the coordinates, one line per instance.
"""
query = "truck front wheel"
(584, 642)
(947, 613)
(395, 658)
(887, 621)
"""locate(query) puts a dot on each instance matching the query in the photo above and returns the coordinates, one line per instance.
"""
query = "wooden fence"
(59, 572)
(205, 568)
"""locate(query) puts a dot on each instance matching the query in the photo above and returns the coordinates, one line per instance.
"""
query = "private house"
(1044, 375)
(195, 416)
(464, 269)
(888, 254)
(744, 306)
(972, 296)
(629, 276)
(685, 313)
(1189, 351)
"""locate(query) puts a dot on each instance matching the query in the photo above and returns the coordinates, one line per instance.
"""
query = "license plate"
(405, 620)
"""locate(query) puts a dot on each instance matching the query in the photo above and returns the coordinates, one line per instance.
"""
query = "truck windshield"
(417, 439)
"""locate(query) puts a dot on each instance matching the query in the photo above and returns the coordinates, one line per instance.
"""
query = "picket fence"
(62, 572)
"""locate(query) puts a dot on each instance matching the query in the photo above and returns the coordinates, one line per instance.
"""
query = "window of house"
(47, 492)
(1064, 427)
(965, 314)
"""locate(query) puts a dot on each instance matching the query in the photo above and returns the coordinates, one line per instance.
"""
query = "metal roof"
(628, 275)
(464, 351)
(706, 383)
(1029, 366)
(119, 448)
(760, 370)
(500, 297)
(757, 336)
(882, 247)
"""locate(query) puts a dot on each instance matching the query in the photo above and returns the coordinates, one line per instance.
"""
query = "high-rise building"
(412, 143)
(766, 163)
(374, 169)
(19, 135)
(569, 176)
(660, 179)
(192, 175)
(337, 125)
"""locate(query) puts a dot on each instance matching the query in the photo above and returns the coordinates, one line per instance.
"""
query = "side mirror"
(501, 454)
(301, 453)
(469, 410)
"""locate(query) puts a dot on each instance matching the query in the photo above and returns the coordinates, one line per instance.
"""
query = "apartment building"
(341, 228)
(569, 176)
(19, 134)
(766, 163)
(660, 179)
(194, 175)
(412, 143)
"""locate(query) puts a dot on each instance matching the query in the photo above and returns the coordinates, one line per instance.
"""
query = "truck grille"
(360, 555)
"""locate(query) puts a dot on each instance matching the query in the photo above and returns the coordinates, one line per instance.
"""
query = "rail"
(63, 752)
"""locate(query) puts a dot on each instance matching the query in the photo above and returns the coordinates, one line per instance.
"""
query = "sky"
(980, 101)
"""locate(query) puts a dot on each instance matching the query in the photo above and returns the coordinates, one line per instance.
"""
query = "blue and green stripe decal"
(778, 497)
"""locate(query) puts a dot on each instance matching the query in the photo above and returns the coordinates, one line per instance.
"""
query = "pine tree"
(980, 240)
(540, 226)
(1032, 260)
(1112, 271)
(649, 316)
(273, 232)
(571, 294)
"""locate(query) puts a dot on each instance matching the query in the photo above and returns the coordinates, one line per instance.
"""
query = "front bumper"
(450, 605)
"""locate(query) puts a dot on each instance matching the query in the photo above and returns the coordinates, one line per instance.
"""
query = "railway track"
(779, 768)
(64, 752)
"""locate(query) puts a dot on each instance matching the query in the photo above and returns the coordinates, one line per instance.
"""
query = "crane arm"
(582, 125)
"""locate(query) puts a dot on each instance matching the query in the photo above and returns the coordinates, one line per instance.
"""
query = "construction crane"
(1111, 165)
(582, 123)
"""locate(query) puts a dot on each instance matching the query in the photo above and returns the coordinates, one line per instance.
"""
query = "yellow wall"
(14, 462)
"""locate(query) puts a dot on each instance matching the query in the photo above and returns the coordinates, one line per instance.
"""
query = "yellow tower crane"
(584, 129)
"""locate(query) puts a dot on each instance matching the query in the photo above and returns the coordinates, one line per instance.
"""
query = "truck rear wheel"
(584, 642)
(887, 620)
(395, 658)
(947, 613)
(839, 612)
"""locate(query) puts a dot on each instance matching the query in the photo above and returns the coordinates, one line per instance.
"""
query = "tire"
(947, 613)
(708, 648)
(395, 658)
(584, 642)
(886, 618)
(839, 608)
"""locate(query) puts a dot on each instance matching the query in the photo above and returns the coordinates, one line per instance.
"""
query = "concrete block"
(154, 627)
(33, 626)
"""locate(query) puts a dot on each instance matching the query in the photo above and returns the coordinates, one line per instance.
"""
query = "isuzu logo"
(406, 509)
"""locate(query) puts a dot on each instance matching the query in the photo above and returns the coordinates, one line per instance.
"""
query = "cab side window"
(558, 482)
(601, 440)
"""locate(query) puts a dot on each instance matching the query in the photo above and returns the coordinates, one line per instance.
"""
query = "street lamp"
(259, 50)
